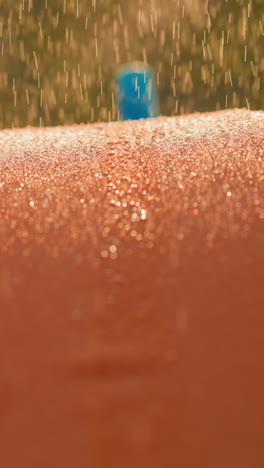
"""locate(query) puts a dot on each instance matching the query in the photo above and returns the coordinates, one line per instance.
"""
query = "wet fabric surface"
(131, 293)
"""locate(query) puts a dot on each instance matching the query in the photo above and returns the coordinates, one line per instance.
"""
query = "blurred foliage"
(58, 58)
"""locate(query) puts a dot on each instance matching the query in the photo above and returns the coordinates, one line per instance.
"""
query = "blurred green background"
(58, 58)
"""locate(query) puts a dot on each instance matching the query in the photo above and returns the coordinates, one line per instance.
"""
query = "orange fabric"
(131, 293)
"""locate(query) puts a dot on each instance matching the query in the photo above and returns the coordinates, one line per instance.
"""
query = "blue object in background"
(137, 93)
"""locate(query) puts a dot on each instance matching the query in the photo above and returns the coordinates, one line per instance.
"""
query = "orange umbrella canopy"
(131, 293)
